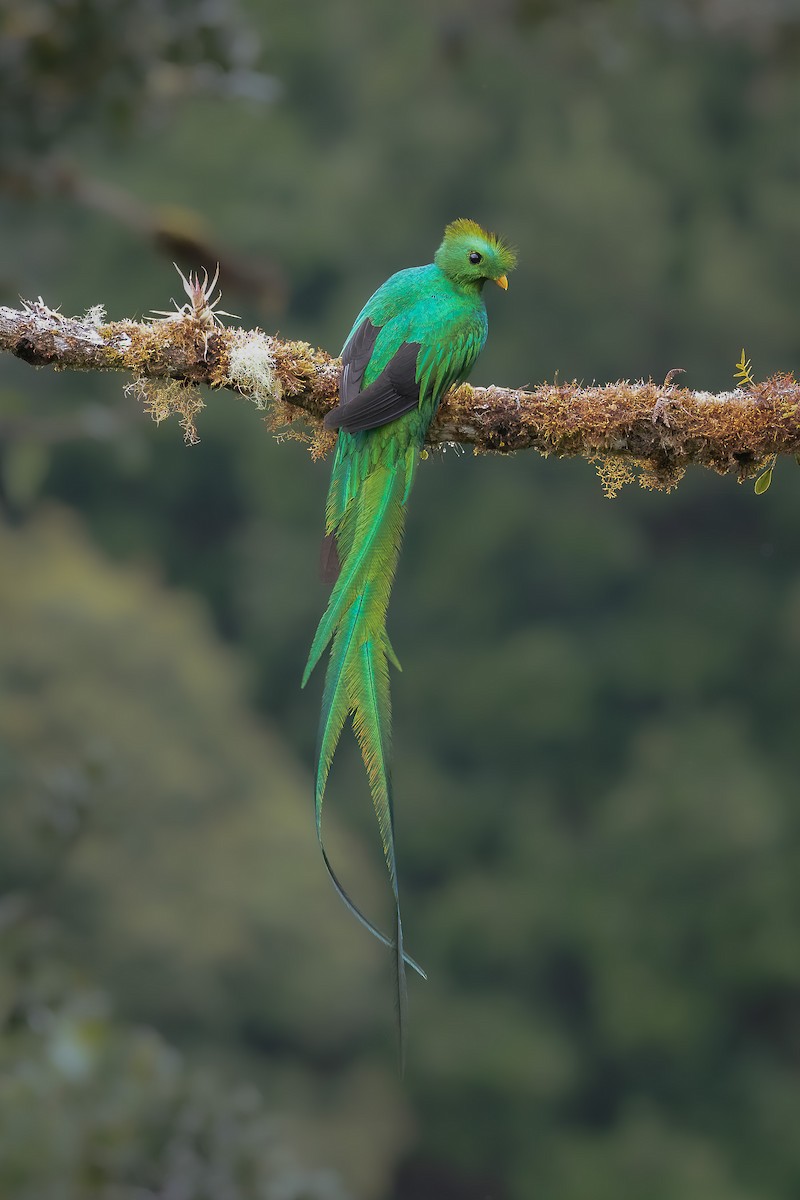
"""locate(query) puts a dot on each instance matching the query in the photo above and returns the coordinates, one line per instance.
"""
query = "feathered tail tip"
(365, 921)
(401, 992)
(400, 959)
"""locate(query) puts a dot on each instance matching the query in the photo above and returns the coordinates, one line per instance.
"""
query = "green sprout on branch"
(743, 374)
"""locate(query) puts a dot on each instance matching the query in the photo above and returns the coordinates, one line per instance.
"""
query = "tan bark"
(654, 429)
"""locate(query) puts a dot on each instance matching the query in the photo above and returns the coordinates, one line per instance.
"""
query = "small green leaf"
(763, 482)
(743, 371)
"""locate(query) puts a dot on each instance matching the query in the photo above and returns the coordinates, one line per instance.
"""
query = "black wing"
(393, 393)
(355, 357)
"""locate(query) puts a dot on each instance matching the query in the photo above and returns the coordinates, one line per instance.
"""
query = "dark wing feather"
(355, 357)
(388, 397)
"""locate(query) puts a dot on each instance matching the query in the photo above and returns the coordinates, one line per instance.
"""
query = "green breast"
(422, 305)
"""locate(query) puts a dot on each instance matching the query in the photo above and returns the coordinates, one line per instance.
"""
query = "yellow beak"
(502, 282)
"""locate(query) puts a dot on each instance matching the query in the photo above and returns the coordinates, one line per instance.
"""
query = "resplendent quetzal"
(419, 334)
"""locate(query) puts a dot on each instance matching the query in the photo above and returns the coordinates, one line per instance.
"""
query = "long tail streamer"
(366, 513)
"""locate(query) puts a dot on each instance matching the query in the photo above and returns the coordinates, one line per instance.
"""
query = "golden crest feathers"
(463, 227)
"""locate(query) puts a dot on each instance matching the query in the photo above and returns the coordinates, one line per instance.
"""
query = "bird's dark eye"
(474, 257)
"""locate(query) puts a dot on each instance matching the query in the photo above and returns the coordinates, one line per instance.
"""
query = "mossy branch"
(645, 430)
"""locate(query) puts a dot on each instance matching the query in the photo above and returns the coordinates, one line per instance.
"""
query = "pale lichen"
(251, 368)
(96, 315)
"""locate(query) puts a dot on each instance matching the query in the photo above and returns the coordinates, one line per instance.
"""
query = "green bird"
(419, 334)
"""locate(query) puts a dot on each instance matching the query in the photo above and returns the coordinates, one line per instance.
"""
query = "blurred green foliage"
(109, 65)
(128, 755)
(596, 726)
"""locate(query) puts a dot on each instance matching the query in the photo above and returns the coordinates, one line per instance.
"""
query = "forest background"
(596, 727)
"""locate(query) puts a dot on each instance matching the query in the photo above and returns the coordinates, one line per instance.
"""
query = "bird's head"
(470, 255)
